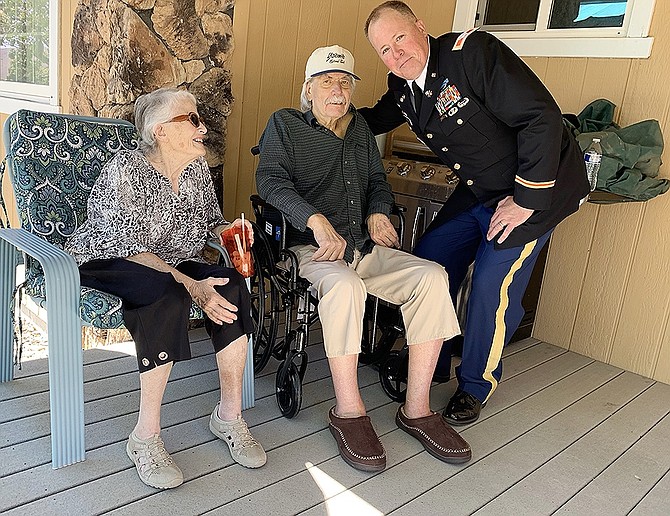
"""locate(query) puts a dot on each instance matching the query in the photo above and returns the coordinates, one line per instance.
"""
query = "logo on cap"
(334, 57)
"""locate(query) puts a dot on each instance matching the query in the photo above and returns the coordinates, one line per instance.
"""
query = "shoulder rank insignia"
(460, 40)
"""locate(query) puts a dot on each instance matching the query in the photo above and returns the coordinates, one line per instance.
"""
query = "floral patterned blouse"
(132, 209)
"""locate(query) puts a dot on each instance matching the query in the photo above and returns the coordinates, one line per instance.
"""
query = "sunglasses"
(192, 117)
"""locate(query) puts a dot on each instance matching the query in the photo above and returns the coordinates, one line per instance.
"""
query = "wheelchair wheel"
(382, 327)
(289, 389)
(264, 309)
(393, 374)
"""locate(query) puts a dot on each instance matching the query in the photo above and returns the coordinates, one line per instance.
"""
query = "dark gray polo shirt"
(305, 169)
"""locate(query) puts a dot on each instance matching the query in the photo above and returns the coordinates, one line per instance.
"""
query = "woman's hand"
(248, 230)
(215, 306)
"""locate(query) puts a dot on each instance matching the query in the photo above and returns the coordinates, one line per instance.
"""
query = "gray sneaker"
(154, 465)
(244, 449)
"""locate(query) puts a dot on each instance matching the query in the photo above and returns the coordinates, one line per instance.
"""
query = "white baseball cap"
(330, 59)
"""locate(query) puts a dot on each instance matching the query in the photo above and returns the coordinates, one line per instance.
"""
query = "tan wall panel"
(280, 54)
(248, 63)
(662, 367)
(312, 30)
(641, 326)
(563, 275)
(234, 127)
(539, 66)
(647, 89)
(605, 79)
(567, 92)
(647, 298)
(370, 68)
(438, 16)
(607, 273)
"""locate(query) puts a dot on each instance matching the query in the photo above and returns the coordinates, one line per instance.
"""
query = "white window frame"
(630, 41)
(15, 96)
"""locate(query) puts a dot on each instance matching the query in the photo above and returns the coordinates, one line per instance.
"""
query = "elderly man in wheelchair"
(321, 168)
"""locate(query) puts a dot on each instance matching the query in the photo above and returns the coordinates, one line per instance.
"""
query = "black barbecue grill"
(419, 182)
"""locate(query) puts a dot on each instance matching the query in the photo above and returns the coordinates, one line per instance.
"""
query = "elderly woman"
(149, 215)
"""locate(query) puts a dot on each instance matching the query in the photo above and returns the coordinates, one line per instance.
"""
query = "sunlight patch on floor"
(338, 499)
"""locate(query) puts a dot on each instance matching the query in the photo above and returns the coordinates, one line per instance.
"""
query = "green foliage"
(24, 29)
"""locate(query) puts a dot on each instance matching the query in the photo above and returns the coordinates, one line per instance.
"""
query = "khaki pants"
(419, 286)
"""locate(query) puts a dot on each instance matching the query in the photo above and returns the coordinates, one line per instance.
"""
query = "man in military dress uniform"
(488, 117)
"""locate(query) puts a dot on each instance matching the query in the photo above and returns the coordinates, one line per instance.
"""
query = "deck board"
(548, 487)
(568, 434)
(528, 451)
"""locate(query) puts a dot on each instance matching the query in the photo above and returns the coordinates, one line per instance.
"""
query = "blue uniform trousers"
(499, 281)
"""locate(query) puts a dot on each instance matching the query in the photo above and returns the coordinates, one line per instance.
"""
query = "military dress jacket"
(487, 116)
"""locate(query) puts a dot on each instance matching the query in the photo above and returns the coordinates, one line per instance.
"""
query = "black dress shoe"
(463, 408)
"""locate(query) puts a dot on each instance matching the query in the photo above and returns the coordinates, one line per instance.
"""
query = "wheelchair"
(277, 292)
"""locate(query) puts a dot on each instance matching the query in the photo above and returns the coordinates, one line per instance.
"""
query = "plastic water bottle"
(592, 157)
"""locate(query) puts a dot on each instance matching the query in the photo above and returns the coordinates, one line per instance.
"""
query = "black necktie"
(418, 95)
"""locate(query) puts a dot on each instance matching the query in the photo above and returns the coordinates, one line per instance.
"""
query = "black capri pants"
(156, 307)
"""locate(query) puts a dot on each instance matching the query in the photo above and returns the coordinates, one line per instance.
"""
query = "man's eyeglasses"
(192, 117)
(326, 81)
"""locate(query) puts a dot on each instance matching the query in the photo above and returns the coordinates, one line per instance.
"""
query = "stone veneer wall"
(123, 48)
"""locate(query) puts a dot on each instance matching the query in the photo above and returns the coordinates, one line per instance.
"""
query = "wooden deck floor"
(563, 434)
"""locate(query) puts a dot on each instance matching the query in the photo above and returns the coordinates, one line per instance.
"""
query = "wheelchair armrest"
(257, 200)
(216, 245)
(399, 211)
(258, 204)
(287, 254)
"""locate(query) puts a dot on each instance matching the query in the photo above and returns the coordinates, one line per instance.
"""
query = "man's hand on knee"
(382, 231)
(331, 244)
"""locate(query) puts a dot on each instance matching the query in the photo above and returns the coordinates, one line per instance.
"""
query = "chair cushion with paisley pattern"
(56, 159)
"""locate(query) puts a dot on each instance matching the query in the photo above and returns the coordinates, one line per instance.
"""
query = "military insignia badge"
(460, 40)
(448, 96)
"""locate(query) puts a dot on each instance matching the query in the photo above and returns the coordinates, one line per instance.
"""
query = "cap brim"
(337, 70)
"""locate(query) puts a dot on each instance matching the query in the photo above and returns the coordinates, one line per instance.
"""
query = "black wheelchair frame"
(276, 289)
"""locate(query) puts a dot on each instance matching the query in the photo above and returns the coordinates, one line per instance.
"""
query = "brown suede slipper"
(437, 437)
(358, 442)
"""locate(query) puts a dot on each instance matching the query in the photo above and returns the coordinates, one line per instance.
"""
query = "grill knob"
(404, 168)
(427, 172)
(450, 177)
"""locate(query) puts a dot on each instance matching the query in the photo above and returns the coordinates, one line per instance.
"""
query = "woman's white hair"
(305, 104)
(156, 108)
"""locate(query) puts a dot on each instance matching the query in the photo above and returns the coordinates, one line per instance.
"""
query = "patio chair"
(54, 161)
